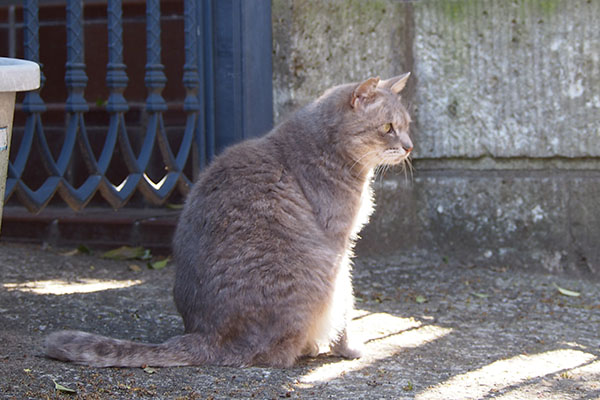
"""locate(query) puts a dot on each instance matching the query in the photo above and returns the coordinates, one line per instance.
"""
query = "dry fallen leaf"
(420, 299)
(128, 253)
(64, 389)
(567, 292)
(135, 268)
(70, 253)
(160, 264)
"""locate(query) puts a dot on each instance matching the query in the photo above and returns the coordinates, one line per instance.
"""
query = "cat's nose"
(405, 141)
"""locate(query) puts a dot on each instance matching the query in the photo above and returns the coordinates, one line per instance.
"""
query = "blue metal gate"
(228, 97)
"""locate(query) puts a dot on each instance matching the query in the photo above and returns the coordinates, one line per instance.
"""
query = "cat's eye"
(386, 128)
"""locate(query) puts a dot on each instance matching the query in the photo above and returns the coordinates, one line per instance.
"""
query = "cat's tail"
(101, 351)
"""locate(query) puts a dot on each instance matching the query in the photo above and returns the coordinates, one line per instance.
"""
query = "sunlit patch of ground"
(513, 372)
(384, 335)
(58, 286)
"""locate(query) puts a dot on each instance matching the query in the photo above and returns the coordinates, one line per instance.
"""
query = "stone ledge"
(544, 220)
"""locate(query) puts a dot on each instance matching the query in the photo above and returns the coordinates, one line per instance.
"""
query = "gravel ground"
(432, 331)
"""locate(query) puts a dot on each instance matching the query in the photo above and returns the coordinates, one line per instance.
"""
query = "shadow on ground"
(431, 332)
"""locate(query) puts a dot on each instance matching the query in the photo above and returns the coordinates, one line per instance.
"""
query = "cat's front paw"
(348, 350)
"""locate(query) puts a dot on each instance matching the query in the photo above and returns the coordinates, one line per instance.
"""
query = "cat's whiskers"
(386, 168)
(410, 168)
(363, 167)
(380, 171)
(407, 167)
(404, 168)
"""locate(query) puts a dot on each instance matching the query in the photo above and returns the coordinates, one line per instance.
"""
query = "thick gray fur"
(263, 245)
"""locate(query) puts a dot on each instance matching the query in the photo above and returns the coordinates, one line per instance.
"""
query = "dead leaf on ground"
(82, 249)
(64, 389)
(128, 253)
(420, 299)
(135, 267)
(160, 264)
(567, 292)
(70, 253)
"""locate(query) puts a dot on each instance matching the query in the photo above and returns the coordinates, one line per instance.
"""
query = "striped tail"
(101, 351)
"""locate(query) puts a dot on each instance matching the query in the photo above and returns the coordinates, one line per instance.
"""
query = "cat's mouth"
(395, 155)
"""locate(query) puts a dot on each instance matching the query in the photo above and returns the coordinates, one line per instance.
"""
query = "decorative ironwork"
(197, 144)
(116, 80)
(33, 105)
(155, 105)
(76, 107)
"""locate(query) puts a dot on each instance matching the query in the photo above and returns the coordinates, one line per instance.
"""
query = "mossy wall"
(506, 101)
(319, 44)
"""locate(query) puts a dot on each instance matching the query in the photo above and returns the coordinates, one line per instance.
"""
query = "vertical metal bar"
(200, 146)
(190, 68)
(155, 78)
(207, 66)
(237, 58)
(30, 31)
(31, 43)
(237, 65)
(191, 80)
(227, 73)
(243, 78)
(257, 71)
(116, 80)
(116, 77)
(33, 106)
(75, 106)
(12, 51)
(75, 76)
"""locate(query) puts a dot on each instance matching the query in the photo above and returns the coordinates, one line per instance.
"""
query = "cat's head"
(376, 123)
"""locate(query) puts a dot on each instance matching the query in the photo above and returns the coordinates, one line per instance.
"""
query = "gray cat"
(264, 242)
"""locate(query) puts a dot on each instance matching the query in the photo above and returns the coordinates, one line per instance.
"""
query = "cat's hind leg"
(283, 351)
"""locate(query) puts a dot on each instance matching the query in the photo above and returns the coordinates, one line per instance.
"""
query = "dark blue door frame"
(243, 72)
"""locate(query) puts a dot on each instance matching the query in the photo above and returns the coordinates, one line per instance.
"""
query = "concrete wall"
(506, 101)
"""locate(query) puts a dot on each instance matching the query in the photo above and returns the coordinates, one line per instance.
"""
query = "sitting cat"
(264, 242)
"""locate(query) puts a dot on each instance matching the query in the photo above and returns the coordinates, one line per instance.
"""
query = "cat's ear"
(364, 91)
(395, 84)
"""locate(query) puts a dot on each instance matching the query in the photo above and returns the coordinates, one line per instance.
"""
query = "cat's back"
(237, 179)
(246, 198)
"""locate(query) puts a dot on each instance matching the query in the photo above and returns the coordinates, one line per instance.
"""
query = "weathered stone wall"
(506, 101)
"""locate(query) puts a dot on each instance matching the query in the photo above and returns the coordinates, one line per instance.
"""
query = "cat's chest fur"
(348, 211)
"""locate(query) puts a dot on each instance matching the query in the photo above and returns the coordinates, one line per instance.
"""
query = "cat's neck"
(332, 184)
(310, 139)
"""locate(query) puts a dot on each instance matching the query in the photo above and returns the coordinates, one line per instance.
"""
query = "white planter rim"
(18, 75)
